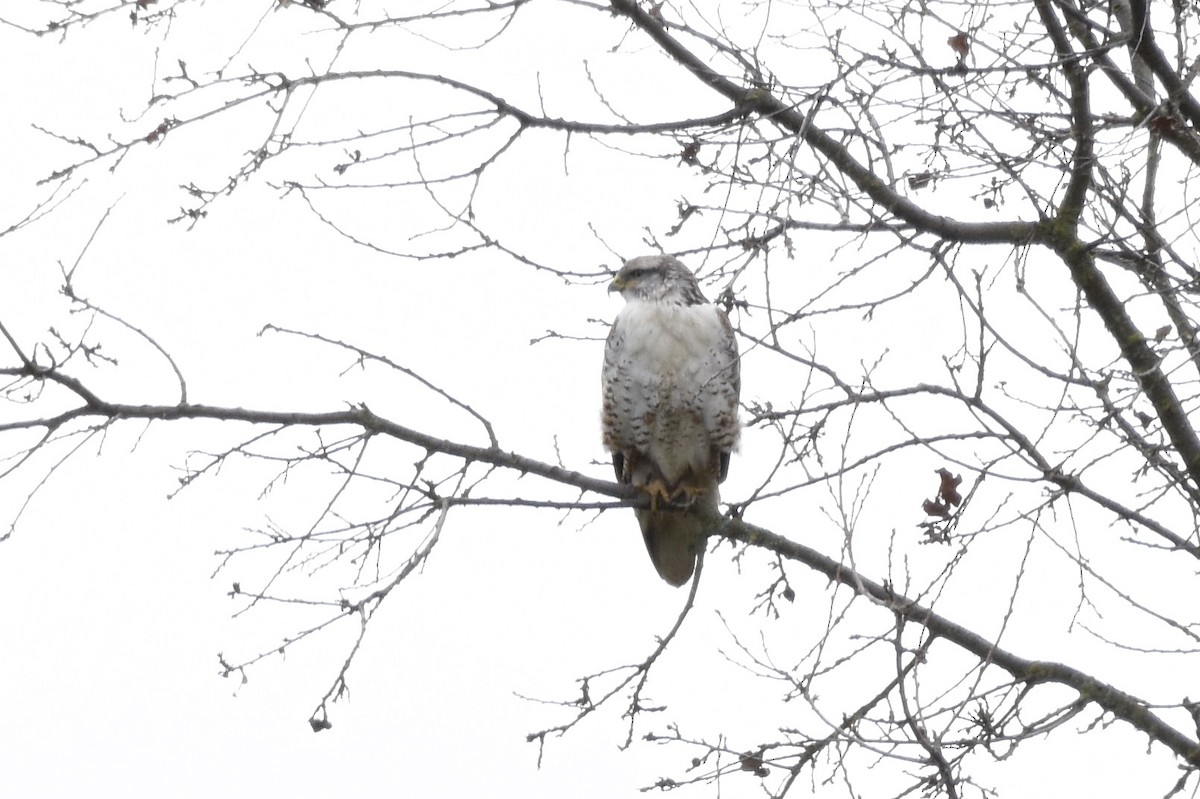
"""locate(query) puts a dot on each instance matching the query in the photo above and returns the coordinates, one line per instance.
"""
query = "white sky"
(111, 623)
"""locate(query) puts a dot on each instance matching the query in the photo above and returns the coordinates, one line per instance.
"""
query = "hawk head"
(657, 278)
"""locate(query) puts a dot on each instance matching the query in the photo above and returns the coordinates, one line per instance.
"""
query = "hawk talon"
(686, 496)
(681, 498)
(657, 490)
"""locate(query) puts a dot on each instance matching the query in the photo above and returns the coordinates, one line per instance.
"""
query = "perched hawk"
(671, 383)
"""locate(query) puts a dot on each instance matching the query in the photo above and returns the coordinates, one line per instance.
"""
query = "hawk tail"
(674, 537)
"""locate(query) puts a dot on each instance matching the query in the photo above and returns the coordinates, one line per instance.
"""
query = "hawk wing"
(671, 381)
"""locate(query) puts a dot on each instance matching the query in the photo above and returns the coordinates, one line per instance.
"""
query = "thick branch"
(763, 102)
(1136, 349)
(359, 416)
(525, 118)
(1091, 690)
(1112, 700)
(1083, 131)
(1147, 47)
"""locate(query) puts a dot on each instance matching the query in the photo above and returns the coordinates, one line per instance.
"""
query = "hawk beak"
(618, 284)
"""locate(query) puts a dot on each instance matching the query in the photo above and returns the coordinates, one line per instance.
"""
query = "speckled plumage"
(670, 390)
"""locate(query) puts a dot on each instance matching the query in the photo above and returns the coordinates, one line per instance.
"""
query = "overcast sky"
(114, 607)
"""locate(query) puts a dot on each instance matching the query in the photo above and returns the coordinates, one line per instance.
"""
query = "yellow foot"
(685, 496)
(657, 490)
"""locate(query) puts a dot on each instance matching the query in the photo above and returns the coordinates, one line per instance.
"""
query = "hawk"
(671, 380)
